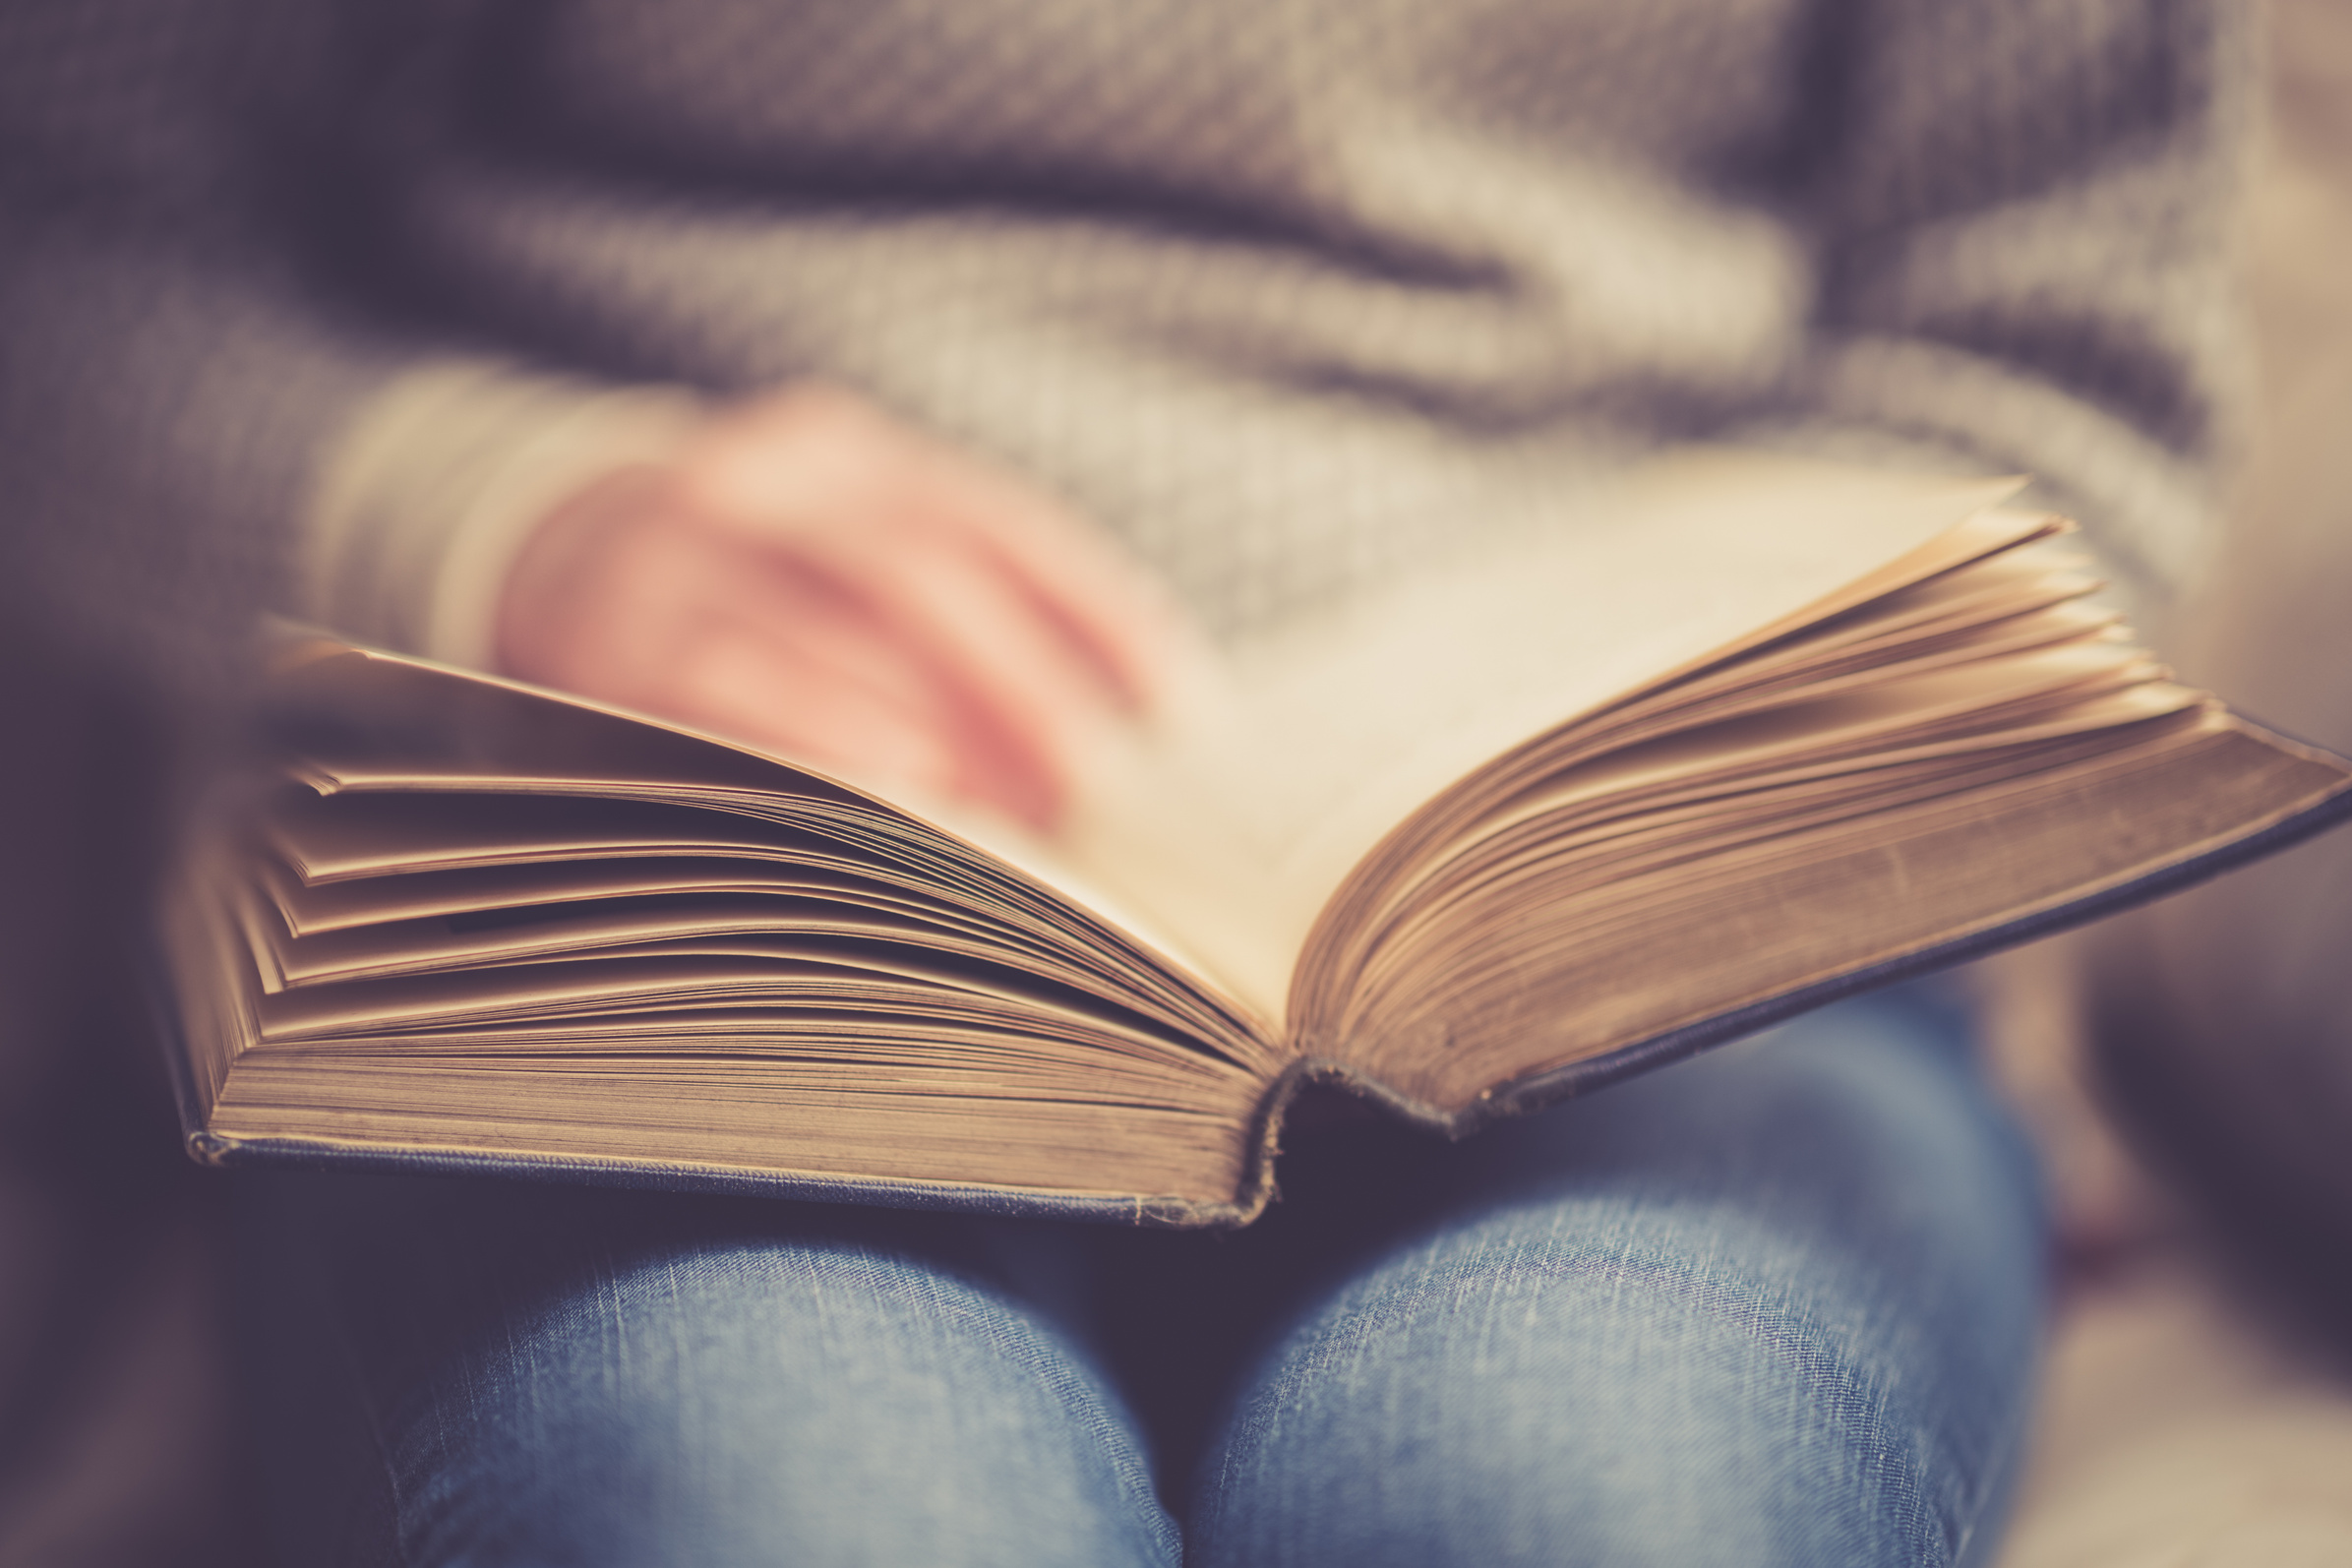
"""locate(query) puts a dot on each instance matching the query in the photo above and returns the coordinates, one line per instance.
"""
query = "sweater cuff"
(431, 492)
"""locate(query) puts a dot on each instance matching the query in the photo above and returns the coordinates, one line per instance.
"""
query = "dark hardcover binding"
(1514, 1098)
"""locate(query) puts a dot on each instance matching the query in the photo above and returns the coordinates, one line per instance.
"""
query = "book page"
(534, 775)
(1214, 839)
(1235, 831)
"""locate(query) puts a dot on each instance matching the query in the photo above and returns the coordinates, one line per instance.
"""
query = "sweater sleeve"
(2023, 213)
(197, 368)
(421, 502)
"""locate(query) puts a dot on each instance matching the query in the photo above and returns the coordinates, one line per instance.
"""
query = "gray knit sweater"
(1284, 291)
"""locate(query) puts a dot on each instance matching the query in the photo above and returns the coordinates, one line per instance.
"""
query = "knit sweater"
(1286, 294)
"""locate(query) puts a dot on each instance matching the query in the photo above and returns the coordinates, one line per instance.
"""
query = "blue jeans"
(1775, 1305)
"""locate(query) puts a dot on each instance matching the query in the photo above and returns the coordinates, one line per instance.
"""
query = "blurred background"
(2185, 1066)
(2188, 1064)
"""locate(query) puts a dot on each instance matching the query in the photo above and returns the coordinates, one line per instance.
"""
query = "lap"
(510, 1374)
(1778, 1305)
(1781, 1297)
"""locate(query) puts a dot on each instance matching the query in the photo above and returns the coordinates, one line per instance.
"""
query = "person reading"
(915, 390)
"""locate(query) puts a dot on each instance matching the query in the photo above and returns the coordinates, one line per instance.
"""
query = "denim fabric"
(1777, 1304)
(1773, 1306)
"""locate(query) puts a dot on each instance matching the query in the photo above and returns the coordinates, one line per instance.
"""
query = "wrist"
(426, 502)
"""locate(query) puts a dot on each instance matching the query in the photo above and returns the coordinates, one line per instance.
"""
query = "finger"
(1119, 622)
(789, 657)
(808, 457)
(637, 612)
(1015, 687)
(738, 682)
(742, 685)
(630, 601)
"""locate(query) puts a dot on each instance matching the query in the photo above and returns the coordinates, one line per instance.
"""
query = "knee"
(1708, 1346)
(1501, 1402)
(775, 1401)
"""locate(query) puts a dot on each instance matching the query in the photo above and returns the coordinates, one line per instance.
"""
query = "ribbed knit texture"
(1285, 293)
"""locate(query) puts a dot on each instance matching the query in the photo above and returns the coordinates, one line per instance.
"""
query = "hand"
(813, 577)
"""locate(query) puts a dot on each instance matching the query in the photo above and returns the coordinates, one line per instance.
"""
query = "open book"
(1743, 737)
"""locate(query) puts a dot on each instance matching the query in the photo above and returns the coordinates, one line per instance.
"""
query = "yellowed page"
(1235, 833)
(425, 729)
(1215, 839)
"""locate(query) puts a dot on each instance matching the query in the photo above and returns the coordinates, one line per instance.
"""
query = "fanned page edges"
(1948, 749)
(795, 972)
(492, 928)
(1259, 1181)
